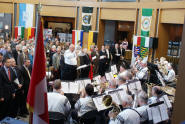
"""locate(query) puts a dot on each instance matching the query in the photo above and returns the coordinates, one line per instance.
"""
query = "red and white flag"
(37, 95)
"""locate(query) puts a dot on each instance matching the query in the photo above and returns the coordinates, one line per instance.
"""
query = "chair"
(56, 118)
(91, 117)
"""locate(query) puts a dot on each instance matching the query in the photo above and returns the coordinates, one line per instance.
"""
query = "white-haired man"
(170, 77)
(70, 60)
(128, 115)
(143, 73)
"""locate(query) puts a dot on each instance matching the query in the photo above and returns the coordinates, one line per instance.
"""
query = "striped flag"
(37, 95)
(144, 52)
(146, 21)
(19, 32)
(26, 15)
(92, 39)
(86, 18)
(77, 35)
(136, 51)
(31, 33)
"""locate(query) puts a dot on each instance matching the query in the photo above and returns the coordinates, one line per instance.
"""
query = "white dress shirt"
(108, 55)
(171, 76)
(127, 116)
(70, 58)
(142, 74)
(84, 105)
(58, 103)
(143, 112)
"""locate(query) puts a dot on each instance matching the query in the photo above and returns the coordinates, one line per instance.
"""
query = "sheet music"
(102, 57)
(115, 97)
(156, 115)
(138, 85)
(74, 88)
(164, 112)
(87, 81)
(166, 101)
(93, 58)
(81, 85)
(16, 81)
(111, 75)
(97, 79)
(132, 87)
(149, 111)
(160, 78)
(107, 76)
(98, 103)
(65, 87)
(82, 66)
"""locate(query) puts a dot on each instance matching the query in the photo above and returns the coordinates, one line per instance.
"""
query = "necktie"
(9, 75)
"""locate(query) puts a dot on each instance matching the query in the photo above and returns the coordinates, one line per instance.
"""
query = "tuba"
(108, 102)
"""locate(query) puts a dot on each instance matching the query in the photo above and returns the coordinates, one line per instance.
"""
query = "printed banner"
(146, 22)
(140, 47)
(86, 18)
(77, 35)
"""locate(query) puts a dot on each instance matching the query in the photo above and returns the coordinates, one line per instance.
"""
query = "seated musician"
(122, 80)
(85, 103)
(170, 77)
(142, 102)
(156, 94)
(128, 115)
(57, 102)
(143, 73)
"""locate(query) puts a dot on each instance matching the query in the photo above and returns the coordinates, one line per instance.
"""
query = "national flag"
(92, 39)
(146, 21)
(144, 52)
(77, 35)
(31, 33)
(37, 94)
(19, 32)
(86, 18)
(26, 15)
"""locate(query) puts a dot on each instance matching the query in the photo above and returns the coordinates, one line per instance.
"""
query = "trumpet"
(108, 102)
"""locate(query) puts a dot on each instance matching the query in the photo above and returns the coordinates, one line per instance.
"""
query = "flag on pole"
(19, 32)
(92, 39)
(77, 35)
(31, 33)
(146, 21)
(37, 95)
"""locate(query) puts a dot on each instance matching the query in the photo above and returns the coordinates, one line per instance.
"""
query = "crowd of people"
(68, 62)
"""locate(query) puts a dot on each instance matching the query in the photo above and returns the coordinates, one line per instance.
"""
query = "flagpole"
(36, 35)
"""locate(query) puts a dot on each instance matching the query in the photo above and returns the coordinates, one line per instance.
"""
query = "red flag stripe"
(16, 32)
(73, 37)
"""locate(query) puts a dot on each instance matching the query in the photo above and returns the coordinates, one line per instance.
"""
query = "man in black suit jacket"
(116, 54)
(26, 76)
(7, 89)
(109, 56)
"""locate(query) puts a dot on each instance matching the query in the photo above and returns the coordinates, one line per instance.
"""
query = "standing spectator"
(26, 75)
(22, 56)
(7, 89)
(108, 59)
(1, 59)
(102, 61)
(51, 53)
(116, 54)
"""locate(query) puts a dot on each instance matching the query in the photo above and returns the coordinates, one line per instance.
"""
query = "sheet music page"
(65, 87)
(115, 69)
(93, 58)
(149, 111)
(112, 69)
(164, 112)
(115, 97)
(74, 87)
(111, 75)
(98, 103)
(167, 101)
(81, 85)
(87, 81)
(102, 57)
(156, 114)
(83, 66)
(121, 93)
(107, 76)
(97, 79)
(16, 81)
(132, 87)
(138, 85)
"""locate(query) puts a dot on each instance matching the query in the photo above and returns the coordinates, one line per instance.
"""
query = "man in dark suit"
(108, 59)
(7, 89)
(102, 61)
(26, 76)
(116, 54)
(1, 59)
(19, 94)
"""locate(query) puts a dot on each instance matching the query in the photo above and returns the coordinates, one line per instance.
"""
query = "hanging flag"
(26, 12)
(92, 39)
(77, 35)
(37, 95)
(140, 47)
(30, 33)
(86, 18)
(146, 21)
(19, 32)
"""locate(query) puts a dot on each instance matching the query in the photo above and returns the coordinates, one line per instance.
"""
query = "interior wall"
(110, 27)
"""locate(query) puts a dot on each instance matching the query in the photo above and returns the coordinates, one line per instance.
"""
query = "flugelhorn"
(108, 102)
